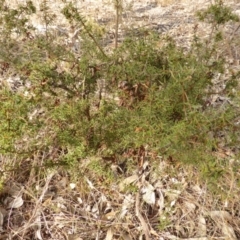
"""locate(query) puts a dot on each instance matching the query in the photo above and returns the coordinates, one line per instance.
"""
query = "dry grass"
(91, 206)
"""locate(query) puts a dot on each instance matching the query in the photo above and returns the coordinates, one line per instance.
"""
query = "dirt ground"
(174, 17)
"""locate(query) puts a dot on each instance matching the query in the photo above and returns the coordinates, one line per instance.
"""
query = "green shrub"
(163, 92)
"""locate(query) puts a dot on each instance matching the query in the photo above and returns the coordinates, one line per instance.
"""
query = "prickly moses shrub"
(90, 101)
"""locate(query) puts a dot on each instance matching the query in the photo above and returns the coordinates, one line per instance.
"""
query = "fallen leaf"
(16, 202)
(202, 226)
(149, 194)
(127, 181)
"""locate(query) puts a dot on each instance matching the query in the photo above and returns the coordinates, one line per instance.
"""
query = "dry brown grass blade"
(145, 227)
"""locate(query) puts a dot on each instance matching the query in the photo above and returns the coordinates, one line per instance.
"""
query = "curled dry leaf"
(202, 227)
(15, 202)
(149, 193)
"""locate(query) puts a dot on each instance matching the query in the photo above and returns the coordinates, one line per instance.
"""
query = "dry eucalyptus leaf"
(149, 194)
(202, 227)
(127, 181)
(16, 202)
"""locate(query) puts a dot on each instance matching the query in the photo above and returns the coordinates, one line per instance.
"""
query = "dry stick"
(117, 22)
(141, 219)
(118, 6)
